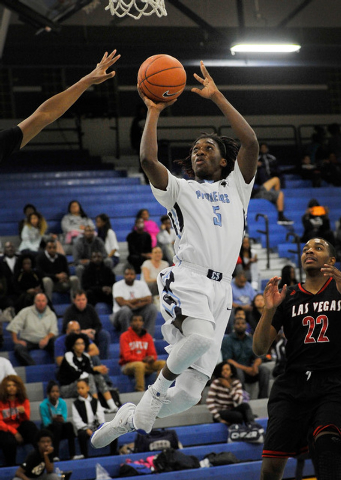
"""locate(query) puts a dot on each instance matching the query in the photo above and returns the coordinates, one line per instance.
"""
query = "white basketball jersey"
(208, 219)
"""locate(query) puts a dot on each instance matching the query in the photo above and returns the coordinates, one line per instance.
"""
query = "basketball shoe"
(147, 410)
(108, 432)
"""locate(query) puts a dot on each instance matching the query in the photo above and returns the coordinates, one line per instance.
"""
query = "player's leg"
(272, 468)
(198, 336)
(326, 454)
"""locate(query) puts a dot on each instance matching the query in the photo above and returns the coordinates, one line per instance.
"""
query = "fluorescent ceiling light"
(264, 48)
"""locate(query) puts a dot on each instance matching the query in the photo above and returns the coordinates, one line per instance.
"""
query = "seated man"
(83, 248)
(138, 356)
(89, 321)
(132, 296)
(38, 328)
(54, 269)
(97, 280)
(237, 350)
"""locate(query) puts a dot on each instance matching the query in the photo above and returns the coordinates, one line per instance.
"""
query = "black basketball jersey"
(312, 326)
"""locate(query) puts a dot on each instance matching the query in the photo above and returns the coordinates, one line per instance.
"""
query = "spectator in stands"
(334, 142)
(107, 234)
(87, 415)
(15, 425)
(89, 321)
(150, 226)
(268, 166)
(242, 292)
(331, 169)
(138, 356)
(317, 149)
(256, 312)
(32, 233)
(27, 283)
(9, 266)
(316, 223)
(54, 270)
(166, 238)
(6, 368)
(249, 263)
(139, 245)
(237, 350)
(151, 268)
(12, 139)
(92, 350)
(53, 413)
(132, 296)
(39, 460)
(74, 222)
(271, 191)
(77, 364)
(310, 171)
(27, 210)
(225, 397)
(97, 280)
(83, 249)
(287, 277)
(33, 328)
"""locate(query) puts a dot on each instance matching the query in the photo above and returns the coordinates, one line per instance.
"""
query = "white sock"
(161, 384)
(111, 404)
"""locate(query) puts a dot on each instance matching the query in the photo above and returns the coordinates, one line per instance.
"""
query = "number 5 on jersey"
(217, 217)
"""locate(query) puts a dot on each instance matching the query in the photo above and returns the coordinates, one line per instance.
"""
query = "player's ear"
(223, 162)
(332, 261)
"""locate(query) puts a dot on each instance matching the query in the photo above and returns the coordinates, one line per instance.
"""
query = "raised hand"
(272, 296)
(331, 271)
(209, 87)
(99, 75)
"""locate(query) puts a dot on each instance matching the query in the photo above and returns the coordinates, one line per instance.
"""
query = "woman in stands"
(15, 425)
(287, 277)
(249, 263)
(77, 364)
(149, 225)
(107, 234)
(256, 312)
(225, 397)
(74, 222)
(151, 268)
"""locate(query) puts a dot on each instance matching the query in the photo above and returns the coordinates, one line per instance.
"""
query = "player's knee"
(272, 468)
(201, 342)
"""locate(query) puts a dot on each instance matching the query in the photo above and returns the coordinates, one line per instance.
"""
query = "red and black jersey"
(312, 326)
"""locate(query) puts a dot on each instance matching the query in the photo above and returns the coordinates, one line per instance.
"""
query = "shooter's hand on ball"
(159, 106)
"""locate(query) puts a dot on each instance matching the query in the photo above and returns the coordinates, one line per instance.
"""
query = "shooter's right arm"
(155, 171)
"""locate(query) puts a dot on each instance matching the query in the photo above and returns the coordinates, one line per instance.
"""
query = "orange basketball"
(161, 78)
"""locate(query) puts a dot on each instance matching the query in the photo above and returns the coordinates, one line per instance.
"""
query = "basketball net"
(131, 8)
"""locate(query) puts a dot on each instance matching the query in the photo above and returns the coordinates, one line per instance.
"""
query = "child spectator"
(74, 222)
(138, 356)
(53, 413)
(27, 283)
(107, 234)
(316, 223)
(15, 425)
(27, 210)
(150, 226)
(225, 397)
(39, 460)
(87, 415)
(32, 233)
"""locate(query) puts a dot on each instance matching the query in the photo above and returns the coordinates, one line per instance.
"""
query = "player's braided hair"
(228, 149)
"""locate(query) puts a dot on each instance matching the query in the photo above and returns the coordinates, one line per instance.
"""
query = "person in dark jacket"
(97, 280)
(77, 364)
(54, 269)
(139, 245)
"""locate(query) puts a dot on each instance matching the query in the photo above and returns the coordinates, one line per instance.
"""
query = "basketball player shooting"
(304, 405)
(208, 215)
